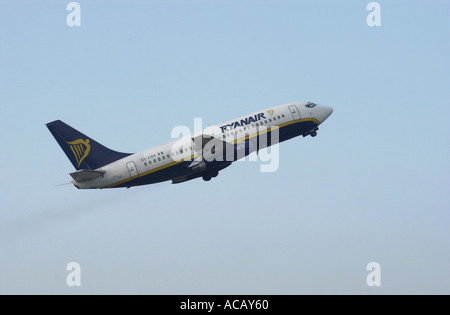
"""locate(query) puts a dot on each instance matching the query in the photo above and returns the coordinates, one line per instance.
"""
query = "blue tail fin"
(83, 151)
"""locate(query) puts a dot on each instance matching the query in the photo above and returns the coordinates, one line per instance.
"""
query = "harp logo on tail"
(80, 149)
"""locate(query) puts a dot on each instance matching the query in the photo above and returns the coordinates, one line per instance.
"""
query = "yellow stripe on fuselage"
(151, 171)
(279, 127)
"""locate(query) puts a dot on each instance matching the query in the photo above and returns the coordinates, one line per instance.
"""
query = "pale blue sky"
(372, 186)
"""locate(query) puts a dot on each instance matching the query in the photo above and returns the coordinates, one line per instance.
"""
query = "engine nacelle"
(200, 167)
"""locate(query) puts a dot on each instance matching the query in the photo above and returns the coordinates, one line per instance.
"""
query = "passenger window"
(159, 159)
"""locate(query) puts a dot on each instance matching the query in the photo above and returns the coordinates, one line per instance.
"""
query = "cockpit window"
(310, 105)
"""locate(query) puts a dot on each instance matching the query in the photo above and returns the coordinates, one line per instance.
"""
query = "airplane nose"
(323, 112)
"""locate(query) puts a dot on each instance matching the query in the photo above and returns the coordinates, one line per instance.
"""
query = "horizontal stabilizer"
(84, 175)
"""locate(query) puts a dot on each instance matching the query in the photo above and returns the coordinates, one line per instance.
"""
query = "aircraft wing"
(84, 175)
(210, 148)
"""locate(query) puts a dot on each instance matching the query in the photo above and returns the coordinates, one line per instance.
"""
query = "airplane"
(202, 154)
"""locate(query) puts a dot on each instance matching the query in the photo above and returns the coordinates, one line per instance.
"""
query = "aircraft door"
(132, 169)
(294, 111)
